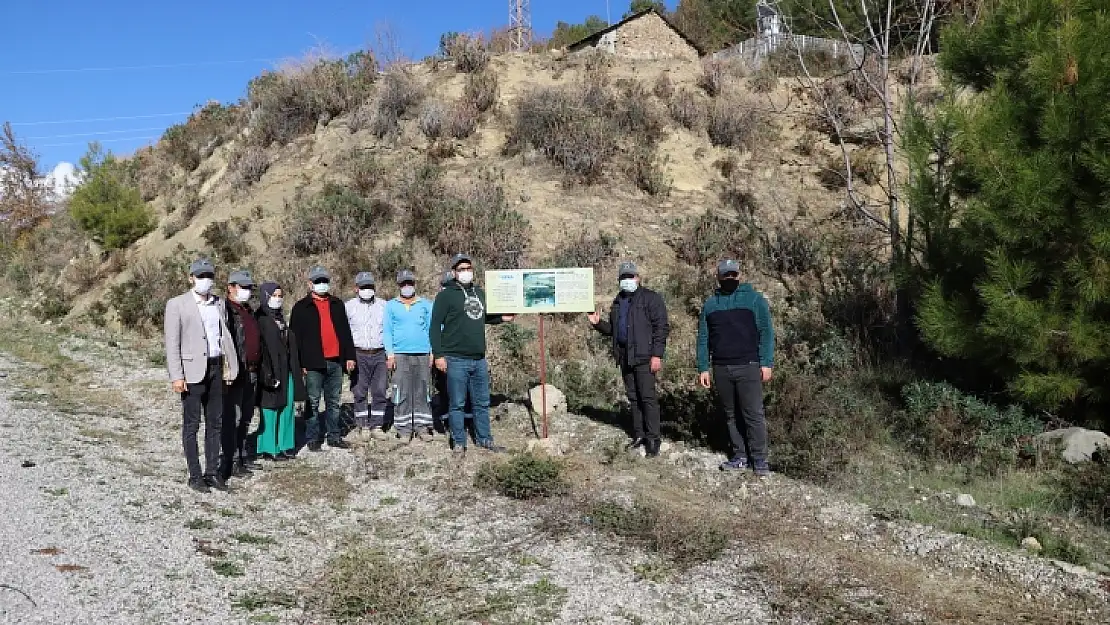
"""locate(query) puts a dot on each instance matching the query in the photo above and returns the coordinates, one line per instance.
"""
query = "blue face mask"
(629, 285)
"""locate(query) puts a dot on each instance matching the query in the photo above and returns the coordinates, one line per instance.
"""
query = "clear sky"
(208, 50)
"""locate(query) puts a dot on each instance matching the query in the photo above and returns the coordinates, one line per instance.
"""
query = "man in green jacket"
(458, 336)
(735, 333)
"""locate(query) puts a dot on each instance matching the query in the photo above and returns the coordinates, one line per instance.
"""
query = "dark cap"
(201, 266)
(628, 268)
(242, 277)
(727, 266)
(318, 273)
(364, 278)
(460, 258)
(405, 275)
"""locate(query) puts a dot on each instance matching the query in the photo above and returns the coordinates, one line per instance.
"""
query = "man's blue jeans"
(465, 375)
(326, 384)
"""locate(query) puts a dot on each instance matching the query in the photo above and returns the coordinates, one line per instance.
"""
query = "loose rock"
(1076, 444)
(556, 400)
(965, 500)
(1031, 544)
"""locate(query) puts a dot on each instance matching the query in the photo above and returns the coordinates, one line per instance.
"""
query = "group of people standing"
(225, 360)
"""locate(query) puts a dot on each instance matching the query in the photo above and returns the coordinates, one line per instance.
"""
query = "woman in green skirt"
(281, 384)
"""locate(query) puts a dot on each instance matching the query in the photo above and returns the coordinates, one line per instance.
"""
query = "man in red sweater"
(327, 350)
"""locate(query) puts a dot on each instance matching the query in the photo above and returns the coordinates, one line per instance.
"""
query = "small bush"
(525, 476)
(765, 80)
(140, 301)
(560, 124)
(1085, 487)
(940, 422)
(364, 585)
(431, 120)
(225, 239)
(248, 166)
(400, 92)
(482, 90)
(176, 143)
(648, 172)
(864, 170)
(687, 536)
(688, 110)
(477, 218)
(333, 219)
(462, 120)
(584, 250)
(470, 54)
(50, 303)
(190, 205)
(712, 78)
(739, 123)
(366, 172)
(635, 113)
(663, 88)
(113, 213)
(710, 238)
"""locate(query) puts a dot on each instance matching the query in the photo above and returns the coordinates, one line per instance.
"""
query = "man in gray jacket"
(201, 360)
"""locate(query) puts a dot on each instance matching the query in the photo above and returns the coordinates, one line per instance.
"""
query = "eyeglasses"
(321, 281)
(210, 276)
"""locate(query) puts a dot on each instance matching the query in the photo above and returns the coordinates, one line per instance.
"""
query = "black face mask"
(729, 286)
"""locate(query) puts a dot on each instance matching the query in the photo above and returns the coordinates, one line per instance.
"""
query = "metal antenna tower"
(520, 25)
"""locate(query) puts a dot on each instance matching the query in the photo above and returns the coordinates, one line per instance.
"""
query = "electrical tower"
(520, 25)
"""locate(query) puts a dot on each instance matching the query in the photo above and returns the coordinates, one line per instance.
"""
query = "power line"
(99, 119)
(119, 68)
(58, 145)
(92, 134)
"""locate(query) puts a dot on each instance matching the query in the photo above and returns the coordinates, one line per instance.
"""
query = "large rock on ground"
(556, 400)
(1077, 444)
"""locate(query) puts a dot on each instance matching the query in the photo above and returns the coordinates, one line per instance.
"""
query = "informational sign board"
(523, 291)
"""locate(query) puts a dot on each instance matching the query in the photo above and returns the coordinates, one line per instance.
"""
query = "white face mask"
(465, 277)
(243, 295)
(366, 293)
(408, 291)
(629, 285)
(203, 286)
(275, 303)
(321, 288)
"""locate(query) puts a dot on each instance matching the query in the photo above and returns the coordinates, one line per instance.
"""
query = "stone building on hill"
(645, 35)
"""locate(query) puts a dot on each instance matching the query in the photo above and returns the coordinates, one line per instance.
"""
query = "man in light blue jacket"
(408, 353)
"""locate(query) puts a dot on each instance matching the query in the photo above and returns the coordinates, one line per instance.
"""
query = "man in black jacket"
(239, 399)
(638, 324)
(326, 349)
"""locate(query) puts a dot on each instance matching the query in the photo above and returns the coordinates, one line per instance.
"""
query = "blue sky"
(214, 48)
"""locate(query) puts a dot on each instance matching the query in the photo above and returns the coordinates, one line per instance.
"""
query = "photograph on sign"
(522, 291)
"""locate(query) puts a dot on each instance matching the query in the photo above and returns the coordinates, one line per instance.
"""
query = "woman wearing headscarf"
(280, 382)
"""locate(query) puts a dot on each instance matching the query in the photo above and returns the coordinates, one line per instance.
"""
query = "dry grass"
(302, 483)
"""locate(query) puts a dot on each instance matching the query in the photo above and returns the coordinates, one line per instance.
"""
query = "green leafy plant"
(525, 476)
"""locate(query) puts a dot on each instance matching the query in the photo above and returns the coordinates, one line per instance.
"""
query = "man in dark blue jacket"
(735, 333)
(639, 327)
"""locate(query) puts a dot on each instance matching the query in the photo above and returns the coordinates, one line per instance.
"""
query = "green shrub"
(648, 172)
(400, 93)
(366, 171)
(248, 165)
(1086, 487)
(710, 238)
(476, 219)
(50, 303)
(287, 104)
(687, 536)
(189, 143)
(140, 301)
(333, 219)
(225, 239)
(525, 476)
(113, 213)
(561, 125)
(583, 250)
(940, 422)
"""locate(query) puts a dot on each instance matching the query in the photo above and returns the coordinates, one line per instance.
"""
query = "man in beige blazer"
(201, 360)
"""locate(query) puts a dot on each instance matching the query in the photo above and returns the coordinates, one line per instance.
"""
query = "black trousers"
(740, 393)
(639, 385)
(206, 398)
(239, 403)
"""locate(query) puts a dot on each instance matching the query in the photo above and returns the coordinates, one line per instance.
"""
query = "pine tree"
(1019, 270)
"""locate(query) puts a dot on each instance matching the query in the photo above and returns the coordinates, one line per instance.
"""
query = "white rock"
(965, 500)
(552, 446)
(1031, 544)
(556, 400)
(665, 447)
(1077, 443)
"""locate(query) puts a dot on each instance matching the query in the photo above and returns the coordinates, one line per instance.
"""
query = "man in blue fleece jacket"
(735, 333)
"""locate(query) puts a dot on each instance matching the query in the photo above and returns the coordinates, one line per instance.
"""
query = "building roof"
(592, 39)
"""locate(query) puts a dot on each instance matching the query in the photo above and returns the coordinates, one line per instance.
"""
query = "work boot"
(636, 442)
(738, 463)
(217, 482)
(762, 469)
(652, 448)
(317, 447)
(199, 485)
(339, 444)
